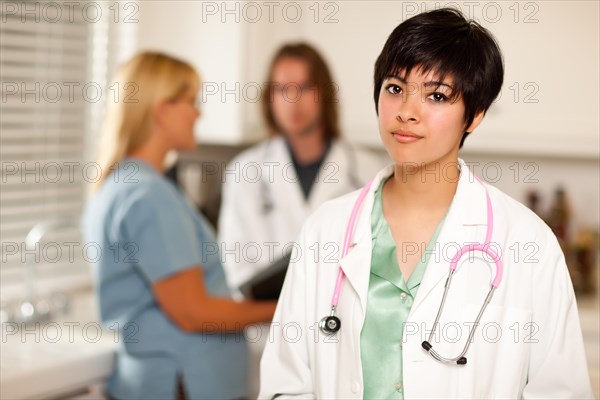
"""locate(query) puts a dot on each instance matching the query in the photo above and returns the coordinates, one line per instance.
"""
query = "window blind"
(54, 60)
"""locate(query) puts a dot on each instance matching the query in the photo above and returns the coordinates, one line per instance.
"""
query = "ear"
(161, 112)
(476, 121)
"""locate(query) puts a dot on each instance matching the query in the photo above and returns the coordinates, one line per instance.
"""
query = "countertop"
(58, 358)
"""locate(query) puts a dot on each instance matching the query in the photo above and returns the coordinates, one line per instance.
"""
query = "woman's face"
(418, 124)
(178, 119)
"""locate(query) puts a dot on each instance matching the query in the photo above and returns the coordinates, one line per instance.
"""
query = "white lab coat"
(250, 239)
(528, 344)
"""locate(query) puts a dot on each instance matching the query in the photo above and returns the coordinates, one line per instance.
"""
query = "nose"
(409, 107)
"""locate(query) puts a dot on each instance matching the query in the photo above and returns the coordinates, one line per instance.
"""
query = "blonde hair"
(146, 80)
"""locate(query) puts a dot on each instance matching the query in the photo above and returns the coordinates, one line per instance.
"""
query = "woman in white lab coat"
(528, 341)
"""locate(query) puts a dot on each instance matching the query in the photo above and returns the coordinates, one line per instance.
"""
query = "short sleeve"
(159, 232)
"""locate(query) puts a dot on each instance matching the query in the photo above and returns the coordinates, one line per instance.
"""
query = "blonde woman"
(159, 279)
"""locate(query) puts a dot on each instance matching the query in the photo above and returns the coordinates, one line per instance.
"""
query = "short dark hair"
(445, 42)
(319, 75)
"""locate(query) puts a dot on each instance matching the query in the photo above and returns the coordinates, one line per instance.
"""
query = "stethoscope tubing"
(331, 324)
(339, 282)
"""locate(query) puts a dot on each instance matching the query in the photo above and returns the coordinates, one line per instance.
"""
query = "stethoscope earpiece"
(330, 325)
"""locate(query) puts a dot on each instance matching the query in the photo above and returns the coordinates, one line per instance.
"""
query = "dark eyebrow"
(426, 84)
(437, 84)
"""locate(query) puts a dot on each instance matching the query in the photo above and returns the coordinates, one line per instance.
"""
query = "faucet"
(30, 311)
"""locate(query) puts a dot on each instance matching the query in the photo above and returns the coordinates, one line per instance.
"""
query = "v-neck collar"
(384, 249)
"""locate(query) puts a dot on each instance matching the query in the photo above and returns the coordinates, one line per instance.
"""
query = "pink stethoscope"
(331, 324)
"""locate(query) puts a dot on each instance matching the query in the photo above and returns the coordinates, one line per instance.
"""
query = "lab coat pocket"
(498, 356)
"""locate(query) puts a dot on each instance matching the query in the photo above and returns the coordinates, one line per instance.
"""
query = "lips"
(405, 136)
(406, 133)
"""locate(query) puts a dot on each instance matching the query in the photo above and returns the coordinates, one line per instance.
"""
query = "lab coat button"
(355, 387)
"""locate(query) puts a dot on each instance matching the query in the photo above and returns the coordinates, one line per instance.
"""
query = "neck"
(308, 147)
(424, 188)
(152, 152)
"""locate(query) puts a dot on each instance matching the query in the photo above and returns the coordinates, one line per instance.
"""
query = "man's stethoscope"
(268, 204)
(331, 324)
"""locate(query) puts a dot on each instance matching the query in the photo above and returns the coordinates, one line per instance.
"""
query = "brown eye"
(393, 89)
(438, 97)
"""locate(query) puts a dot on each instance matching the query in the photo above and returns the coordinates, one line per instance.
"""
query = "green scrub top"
(389, 301)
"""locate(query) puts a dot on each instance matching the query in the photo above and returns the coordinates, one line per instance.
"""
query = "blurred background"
(540, 142)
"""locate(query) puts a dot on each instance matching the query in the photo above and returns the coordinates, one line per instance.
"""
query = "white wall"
(214, 48)
(549, 104)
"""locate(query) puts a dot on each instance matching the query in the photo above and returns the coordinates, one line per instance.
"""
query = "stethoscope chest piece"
(330, 325)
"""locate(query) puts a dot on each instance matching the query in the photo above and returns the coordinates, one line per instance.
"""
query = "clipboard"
(267, 284)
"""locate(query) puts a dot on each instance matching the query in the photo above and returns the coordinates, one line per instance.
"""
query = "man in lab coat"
(271, 188)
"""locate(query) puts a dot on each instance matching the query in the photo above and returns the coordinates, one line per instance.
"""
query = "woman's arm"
(184, 298)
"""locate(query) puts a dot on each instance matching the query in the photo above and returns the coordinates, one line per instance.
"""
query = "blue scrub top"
(146, 231)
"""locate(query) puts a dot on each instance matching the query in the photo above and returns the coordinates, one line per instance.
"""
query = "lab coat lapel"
(332, 178)
(357, 263)
(356, 267)
(290, 196)
(467, 211)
